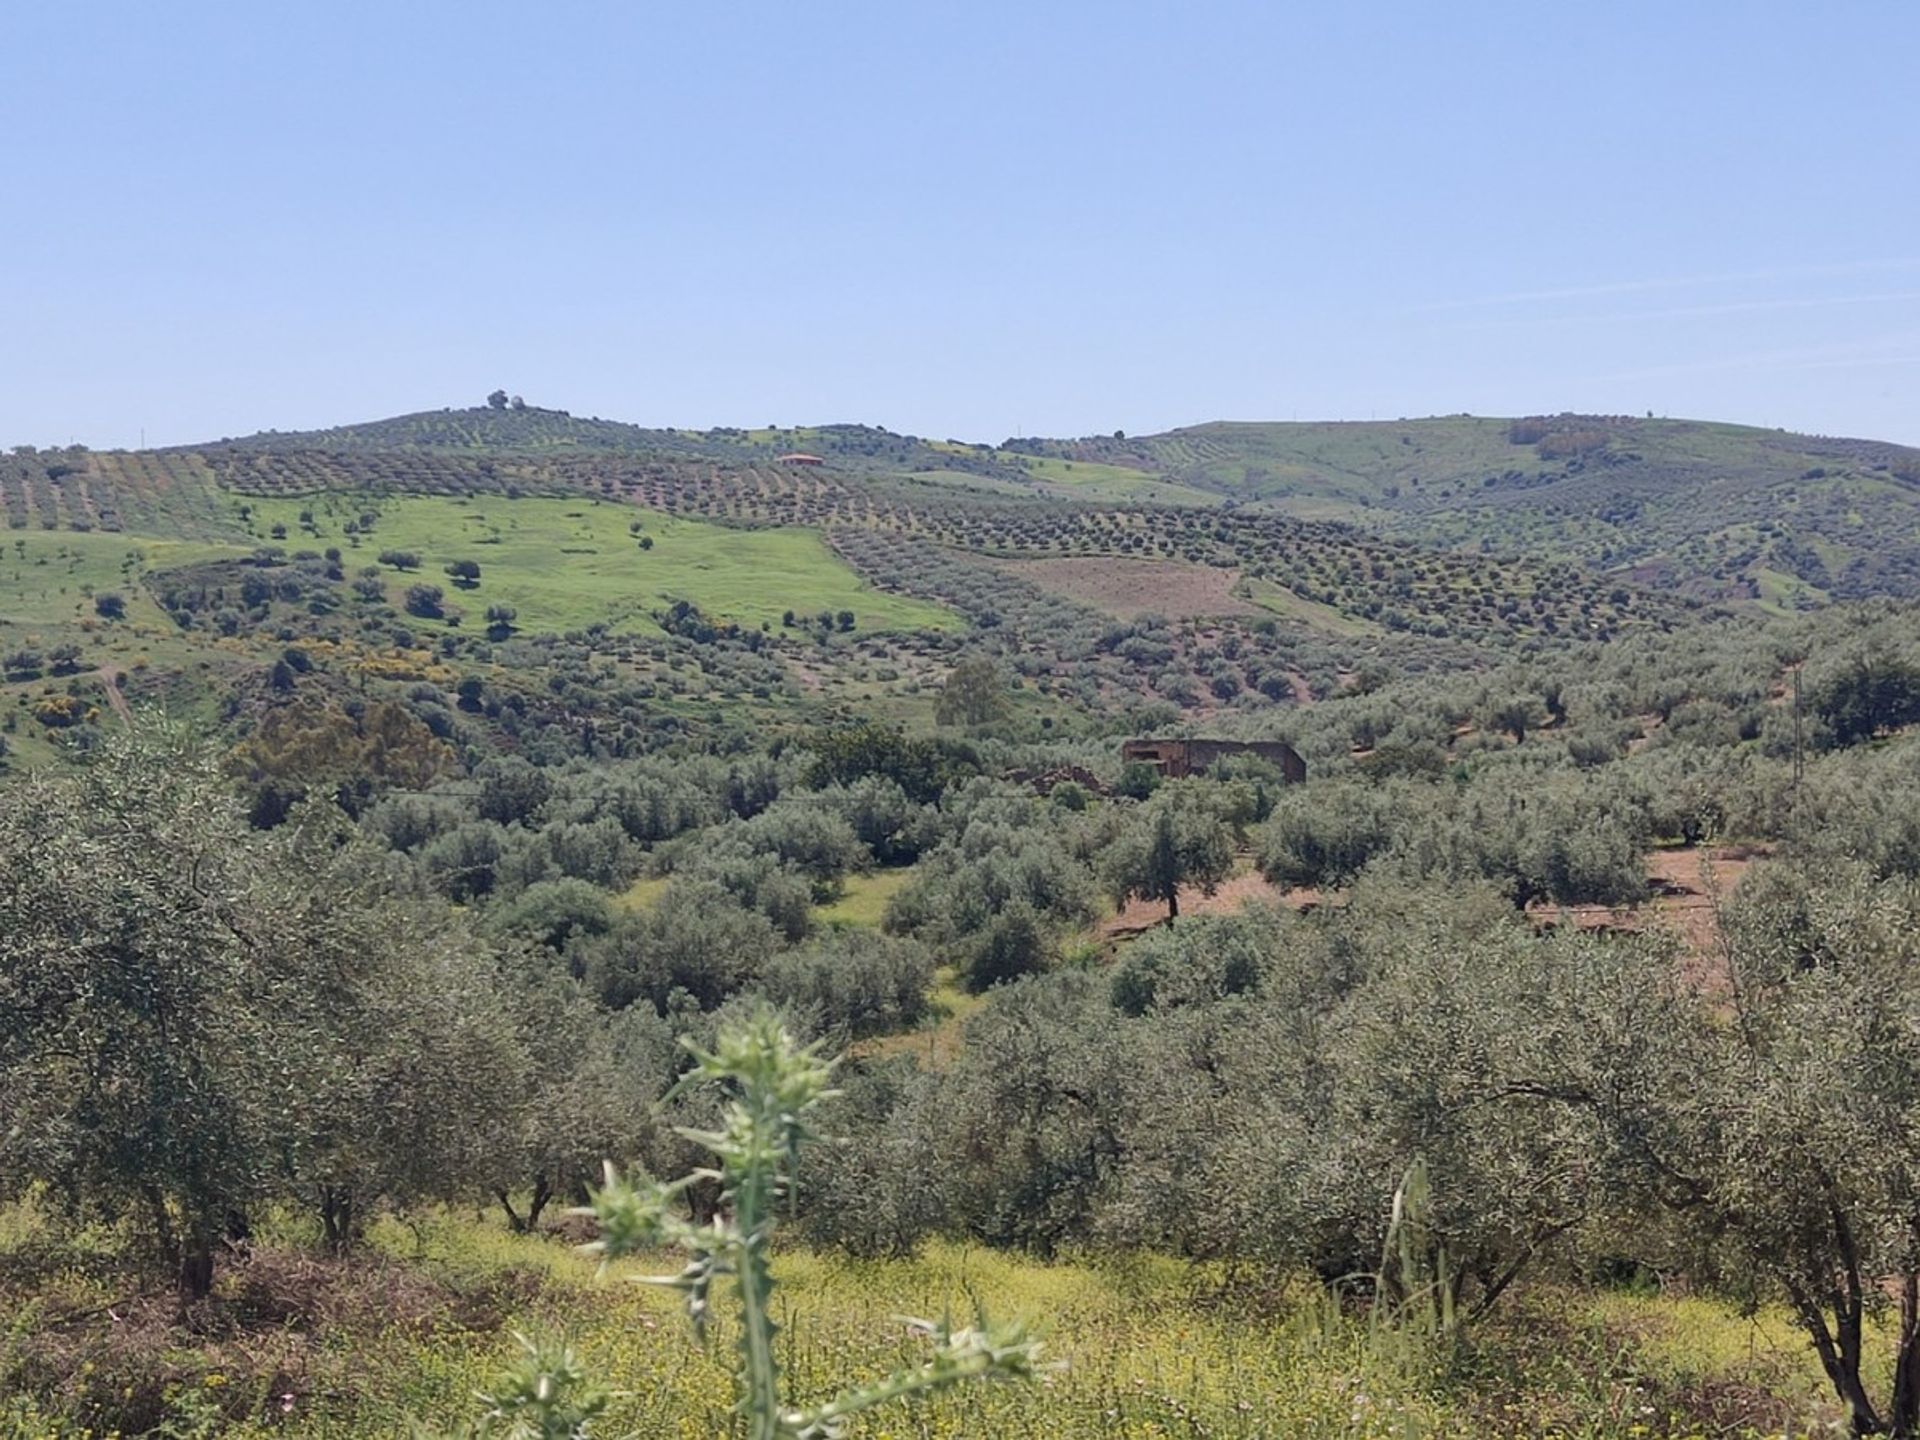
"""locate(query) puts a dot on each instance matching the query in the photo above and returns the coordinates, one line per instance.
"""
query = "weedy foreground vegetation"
(376, 865)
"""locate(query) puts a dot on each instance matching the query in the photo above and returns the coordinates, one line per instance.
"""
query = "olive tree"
(1179, 839)
(589, 1090)
(975, 693)
(142, 1063)
(1788, 1137)
(1326, 834)
(396, 1093)
(199, 1017)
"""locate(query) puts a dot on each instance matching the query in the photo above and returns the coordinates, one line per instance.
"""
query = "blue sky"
(972, 219)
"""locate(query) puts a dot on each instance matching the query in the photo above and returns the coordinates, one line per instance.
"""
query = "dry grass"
(1126, 588)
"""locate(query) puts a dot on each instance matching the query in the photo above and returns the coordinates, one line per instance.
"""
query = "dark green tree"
(426, 601)
(975, 694)
(1871, 693)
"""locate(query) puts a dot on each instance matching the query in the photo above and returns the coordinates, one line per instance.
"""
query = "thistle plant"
(773, 1084)
(547, 1395)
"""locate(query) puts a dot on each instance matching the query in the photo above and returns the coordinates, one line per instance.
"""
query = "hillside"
(534, 430)
(1715, 511)
(1200, 573)
(630, 586)
(1204, 571)
(1727, 511)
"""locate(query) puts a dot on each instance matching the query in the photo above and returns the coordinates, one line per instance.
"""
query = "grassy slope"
(562, 565)
(47, 578)
(47, 583)
(567, 564)
(1290, 606)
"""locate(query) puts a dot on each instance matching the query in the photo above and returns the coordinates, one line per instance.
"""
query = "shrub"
(1013, 944)
(1870, 693)
(552, 912)
(425, 601)
(695, 947)
(852, 983)
(1325, 835)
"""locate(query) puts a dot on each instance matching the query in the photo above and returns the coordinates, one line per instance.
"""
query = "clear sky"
(972, 219)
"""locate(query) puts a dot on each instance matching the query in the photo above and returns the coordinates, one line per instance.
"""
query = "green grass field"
(49, 578)
(863, 901)
(643, 894)
(49, 581)
(863, 898)
(567, 564)
(1093, 480)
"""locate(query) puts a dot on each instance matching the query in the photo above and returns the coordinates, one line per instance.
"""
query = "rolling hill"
(1725, 511)
(1714, 511)
(1207, 569)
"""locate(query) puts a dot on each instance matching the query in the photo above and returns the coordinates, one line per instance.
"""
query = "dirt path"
(110, 682)
(1688, 885)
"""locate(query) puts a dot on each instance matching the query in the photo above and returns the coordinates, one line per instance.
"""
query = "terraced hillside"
(1324, 568)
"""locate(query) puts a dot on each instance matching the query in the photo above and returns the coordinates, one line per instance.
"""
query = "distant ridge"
(1717, 510)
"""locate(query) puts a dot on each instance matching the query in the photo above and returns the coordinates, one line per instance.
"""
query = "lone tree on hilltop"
(497, 400)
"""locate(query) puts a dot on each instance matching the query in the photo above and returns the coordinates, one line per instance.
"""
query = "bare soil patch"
(1125, 587)
(1137, 917)
(1689, 886)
